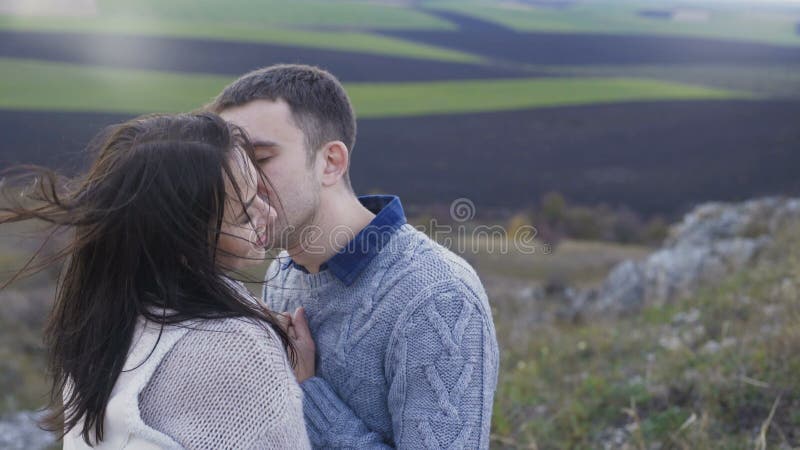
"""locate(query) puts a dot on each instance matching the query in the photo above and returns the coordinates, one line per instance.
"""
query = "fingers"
(300, 324)
(304, 343)
(284, 320)
(295, 325)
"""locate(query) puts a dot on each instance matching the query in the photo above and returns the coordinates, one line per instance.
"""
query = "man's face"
(280, 149)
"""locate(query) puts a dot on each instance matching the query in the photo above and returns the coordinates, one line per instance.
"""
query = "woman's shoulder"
(235, 365)
(239, 353)
(236, 329)
(237, 341)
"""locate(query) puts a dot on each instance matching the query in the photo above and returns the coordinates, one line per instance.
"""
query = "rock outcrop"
(20, 432)
(712, 241)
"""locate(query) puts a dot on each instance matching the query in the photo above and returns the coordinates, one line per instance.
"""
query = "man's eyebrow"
(263, 143)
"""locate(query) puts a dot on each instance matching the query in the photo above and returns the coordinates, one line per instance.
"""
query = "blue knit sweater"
(406, 353)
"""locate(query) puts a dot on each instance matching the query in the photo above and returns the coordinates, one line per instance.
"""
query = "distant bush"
(601, 222)
(554, 219)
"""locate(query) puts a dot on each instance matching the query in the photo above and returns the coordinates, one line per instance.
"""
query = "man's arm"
(330, 421)
(442, 371)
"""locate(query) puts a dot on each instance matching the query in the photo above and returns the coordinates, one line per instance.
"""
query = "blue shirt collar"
(348, 264)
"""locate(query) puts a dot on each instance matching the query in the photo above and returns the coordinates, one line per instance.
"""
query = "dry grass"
(702, 372)
(566, 385)
(573, 262)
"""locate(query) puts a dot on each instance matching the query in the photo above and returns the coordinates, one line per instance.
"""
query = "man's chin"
(273, 244)
(282, 240)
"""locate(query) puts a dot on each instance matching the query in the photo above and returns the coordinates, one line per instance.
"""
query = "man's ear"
(335, 160)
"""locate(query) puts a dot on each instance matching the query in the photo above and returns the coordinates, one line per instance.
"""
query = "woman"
(151, 343)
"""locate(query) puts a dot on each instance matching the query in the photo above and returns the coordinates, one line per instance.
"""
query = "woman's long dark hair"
(146, 220)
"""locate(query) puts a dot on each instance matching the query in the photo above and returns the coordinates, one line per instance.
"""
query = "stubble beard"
(299, 228)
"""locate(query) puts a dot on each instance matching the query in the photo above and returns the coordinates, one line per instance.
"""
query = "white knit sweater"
(209, 385)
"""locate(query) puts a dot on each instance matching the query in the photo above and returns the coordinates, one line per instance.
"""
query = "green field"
(768, 80)
(223, 31)
(316, 24)
(348, 14)
(34, 85)
(410, 99)
(300, 13)
(349, 25)
(30, 85)
(761, 23)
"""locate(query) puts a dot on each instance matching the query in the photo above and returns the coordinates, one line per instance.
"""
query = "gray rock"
(711, 347)
(671, 342)
(20, 432)
(613, 438)
(690, 317)
(712, 241)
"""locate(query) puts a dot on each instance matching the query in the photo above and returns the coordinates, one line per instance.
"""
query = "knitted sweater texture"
(406, 355)
(210, 384)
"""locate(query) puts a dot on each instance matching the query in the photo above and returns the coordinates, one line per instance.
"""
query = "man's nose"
(267, 211)
(271, 214)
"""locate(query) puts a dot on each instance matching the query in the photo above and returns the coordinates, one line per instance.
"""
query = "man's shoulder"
(438, 299)
(421, 261)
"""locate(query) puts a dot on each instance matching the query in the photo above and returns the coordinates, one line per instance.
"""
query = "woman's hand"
(300, 334)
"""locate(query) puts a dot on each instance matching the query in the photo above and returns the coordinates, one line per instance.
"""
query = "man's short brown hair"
(319, 104)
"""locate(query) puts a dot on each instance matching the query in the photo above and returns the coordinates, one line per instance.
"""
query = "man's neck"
(338, 222)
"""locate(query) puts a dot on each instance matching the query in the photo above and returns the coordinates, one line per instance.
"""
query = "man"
(406, 353)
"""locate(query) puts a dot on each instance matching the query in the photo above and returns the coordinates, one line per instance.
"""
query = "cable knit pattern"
(226, 384)
(407, 354)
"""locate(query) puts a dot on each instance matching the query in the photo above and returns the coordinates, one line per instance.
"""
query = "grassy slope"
(565, 385)
(345, 40)
(407, 99)
(767, 25)
(574, 262)
(779, 81)
(276, 22)
(23, 385)
(351, 14)
(30, 85)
